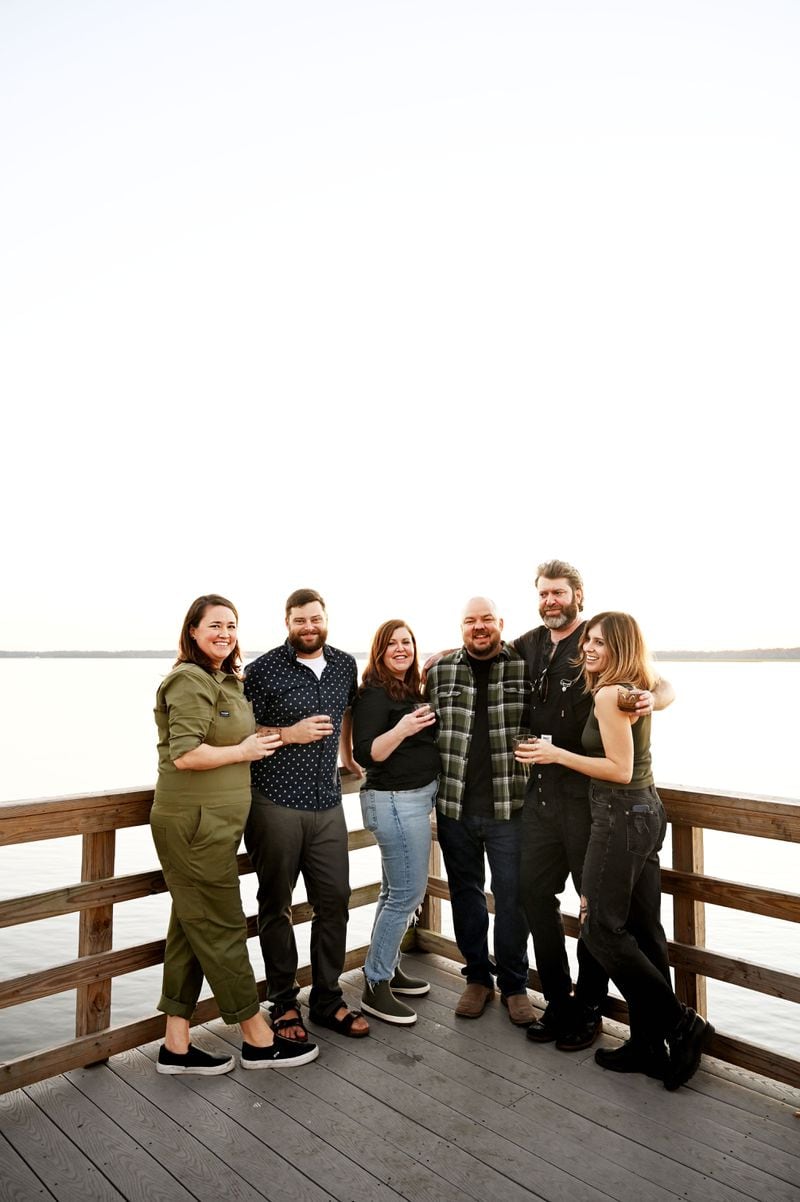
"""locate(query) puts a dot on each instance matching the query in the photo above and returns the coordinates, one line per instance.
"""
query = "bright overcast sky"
(396, 300)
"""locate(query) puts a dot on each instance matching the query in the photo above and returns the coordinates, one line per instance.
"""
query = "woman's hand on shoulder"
(606, 708)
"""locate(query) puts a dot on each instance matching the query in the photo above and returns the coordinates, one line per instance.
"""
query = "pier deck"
(442, 1111)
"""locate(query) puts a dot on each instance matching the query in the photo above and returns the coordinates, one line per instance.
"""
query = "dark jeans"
(622, 886)
(282, 843)
(555, 837)
(464, 843)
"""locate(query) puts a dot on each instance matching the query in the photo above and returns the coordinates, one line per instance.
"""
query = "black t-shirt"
(411, 765)
(478, 789)
(560, 707)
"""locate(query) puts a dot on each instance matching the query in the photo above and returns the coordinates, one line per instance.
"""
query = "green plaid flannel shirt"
(452, 692)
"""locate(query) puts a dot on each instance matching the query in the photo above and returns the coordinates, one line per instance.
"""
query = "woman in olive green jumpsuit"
(206, 742)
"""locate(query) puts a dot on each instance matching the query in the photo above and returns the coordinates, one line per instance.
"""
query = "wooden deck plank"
(453, 1147)
(417, 1090)
(118, 1157)
(183, 1146)
(299, 1097)
(439, 1112)
(375, 1117)
(637, 1094)
(58, 1166)
(609, 1160)
(318, 1160)
(18, 1182)
(748, 1167)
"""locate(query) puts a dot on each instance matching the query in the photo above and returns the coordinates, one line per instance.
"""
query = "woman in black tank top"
(621, 883)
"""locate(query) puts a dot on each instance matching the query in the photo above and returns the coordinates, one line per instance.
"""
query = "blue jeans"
(401, 824)
(622, 886)
(464, 843)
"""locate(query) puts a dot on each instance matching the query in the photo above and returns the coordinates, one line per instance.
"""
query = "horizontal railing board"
(764, 818)
(88, 969)
(754, 899)
(60, 822)
(71, 899)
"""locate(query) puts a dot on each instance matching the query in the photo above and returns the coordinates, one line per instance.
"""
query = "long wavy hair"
(188, 650)
(628, 658)
(377, 674)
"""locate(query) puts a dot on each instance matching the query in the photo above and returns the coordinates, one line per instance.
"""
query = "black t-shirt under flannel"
(478, 791)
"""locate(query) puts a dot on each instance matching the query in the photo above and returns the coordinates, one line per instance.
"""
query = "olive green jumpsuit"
(197, 821)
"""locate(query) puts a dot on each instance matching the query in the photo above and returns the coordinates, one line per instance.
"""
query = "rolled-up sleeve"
(190, 703)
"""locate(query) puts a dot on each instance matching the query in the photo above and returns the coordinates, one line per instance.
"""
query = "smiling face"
(215, 634)
(481, 629)
(559, 603)
(595, 651)
(308, 629)
(400, 652)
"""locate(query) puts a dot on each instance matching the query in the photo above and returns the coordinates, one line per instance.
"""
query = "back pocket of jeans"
(642, 830)
(369, 811)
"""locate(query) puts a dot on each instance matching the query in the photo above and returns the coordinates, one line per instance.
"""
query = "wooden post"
(95, 931)
(430, 918)
(689, 916)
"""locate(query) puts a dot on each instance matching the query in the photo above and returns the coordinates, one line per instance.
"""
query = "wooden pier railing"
(96, 817)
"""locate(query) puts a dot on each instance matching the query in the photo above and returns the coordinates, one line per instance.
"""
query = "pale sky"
(396, 300)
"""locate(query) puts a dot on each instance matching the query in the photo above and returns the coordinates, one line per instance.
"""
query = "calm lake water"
(73, 726)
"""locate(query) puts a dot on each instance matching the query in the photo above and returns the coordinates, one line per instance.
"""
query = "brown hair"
(377, 674)
(301, 597)
(559, 569)
(628, 658)
(189, 652)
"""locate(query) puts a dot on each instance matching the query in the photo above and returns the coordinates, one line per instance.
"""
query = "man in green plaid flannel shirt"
(480, 695)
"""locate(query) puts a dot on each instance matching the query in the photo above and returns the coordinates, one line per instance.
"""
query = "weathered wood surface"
(444, 1111)
(736, 1051)
(755, 899)
(95, 934)
(762, 816)
(54, 817)
(689, 915)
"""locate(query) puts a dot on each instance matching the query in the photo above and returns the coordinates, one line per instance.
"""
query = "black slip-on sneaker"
(282, 1053)
(195, 1061)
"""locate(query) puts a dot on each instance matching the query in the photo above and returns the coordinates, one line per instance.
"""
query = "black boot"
(634, 1058)
(686, 1043)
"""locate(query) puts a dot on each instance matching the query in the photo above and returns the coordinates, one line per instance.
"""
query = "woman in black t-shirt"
(394, 739)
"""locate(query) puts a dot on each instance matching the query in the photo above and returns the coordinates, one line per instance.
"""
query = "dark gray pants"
(282, 843)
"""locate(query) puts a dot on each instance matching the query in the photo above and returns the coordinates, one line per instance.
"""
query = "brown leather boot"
(474, 999)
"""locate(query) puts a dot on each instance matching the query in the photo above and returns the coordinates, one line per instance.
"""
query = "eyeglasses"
(542, 684)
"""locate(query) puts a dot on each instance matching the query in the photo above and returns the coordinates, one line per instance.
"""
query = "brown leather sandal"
(281, 1024)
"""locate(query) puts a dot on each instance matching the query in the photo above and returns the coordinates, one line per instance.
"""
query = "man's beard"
(308, 644)
(565, 617)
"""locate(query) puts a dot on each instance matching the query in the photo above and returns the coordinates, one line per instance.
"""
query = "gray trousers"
(283, 843)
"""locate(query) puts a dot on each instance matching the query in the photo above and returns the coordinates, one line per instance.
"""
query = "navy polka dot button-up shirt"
(303, 776)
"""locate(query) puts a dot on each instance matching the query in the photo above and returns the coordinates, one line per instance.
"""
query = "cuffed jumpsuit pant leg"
(207, 936)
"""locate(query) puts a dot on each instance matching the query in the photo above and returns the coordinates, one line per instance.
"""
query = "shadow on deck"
(442, 1111)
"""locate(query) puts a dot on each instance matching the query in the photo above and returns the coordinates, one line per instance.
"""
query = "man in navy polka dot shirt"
(303, 690)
